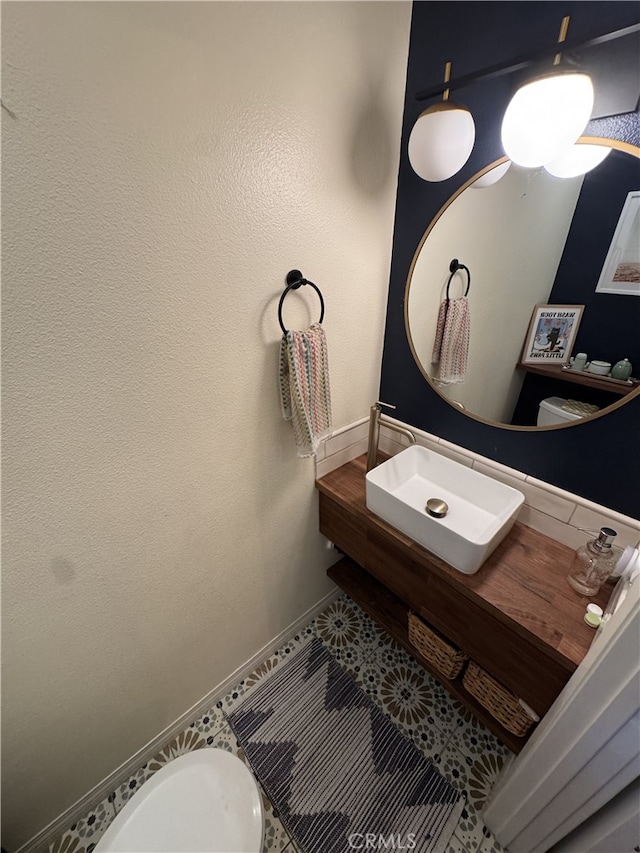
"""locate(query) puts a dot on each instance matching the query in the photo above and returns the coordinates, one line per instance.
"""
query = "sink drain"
(437, 507)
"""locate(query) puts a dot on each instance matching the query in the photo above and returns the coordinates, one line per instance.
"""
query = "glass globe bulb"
(441, 141)
(545, 117)
(578, 160)
(492, 176)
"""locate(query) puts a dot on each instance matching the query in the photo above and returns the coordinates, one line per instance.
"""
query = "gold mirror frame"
(617, 145)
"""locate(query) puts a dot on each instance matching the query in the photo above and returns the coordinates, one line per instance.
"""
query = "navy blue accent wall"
(598, 459)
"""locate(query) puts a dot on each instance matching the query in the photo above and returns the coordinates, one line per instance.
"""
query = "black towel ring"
(454, 266)
(294, 281)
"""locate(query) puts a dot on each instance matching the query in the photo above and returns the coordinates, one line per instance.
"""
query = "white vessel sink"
(481, 510)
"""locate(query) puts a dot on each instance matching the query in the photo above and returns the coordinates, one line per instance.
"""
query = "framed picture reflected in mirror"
(621, 270)
(551, 334)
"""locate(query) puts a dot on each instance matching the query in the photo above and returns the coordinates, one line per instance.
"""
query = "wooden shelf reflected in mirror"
(621, 387)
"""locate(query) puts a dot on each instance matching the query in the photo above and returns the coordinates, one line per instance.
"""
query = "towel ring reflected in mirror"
(454, 267)
(423, 295)
(294, 280)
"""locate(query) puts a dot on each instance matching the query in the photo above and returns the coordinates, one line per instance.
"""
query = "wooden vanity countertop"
(523, 583)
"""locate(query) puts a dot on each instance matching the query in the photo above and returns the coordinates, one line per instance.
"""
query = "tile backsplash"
(562, 516)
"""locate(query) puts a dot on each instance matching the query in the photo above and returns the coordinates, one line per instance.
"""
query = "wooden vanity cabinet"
(517, 616)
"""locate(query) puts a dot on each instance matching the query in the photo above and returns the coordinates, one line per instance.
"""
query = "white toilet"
(557, 410)
(206, 800)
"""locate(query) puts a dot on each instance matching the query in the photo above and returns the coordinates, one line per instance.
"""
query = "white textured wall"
(511, 236)
(167, 165)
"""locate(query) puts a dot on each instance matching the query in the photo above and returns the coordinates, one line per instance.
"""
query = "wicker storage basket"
(499, 701)
(447, 659)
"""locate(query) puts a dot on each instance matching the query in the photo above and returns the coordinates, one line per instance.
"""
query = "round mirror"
(529, 239)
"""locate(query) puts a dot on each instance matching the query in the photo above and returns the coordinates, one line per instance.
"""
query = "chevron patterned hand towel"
(305, 396)
(451, 346)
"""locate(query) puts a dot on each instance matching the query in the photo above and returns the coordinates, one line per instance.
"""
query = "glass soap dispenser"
(593, 563)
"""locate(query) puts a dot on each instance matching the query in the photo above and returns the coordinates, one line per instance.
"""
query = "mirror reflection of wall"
(610, 326)
(511, 236)
(528, 239)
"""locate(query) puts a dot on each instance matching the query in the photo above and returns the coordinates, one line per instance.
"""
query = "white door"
(586, 749)
(614, 829)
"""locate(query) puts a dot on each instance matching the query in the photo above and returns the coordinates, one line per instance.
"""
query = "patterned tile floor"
(466, 753)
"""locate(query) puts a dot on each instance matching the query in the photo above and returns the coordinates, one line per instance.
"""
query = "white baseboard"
(43, 839)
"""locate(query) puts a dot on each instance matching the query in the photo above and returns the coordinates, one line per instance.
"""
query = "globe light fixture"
(441, 141)
(541, 125)
(578, 160)
(548, 114)
(492, 176)
(442, 138)
(546, 117)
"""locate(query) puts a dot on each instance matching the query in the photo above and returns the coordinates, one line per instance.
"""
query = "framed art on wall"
(551, 334)
(621, 269)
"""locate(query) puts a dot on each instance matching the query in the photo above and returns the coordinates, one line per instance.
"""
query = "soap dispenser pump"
(593, 563)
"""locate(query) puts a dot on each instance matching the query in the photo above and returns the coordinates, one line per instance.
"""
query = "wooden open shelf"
(621, 387)
(391, 614)
(517, 617)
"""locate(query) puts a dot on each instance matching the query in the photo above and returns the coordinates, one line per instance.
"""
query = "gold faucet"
(375, 419)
